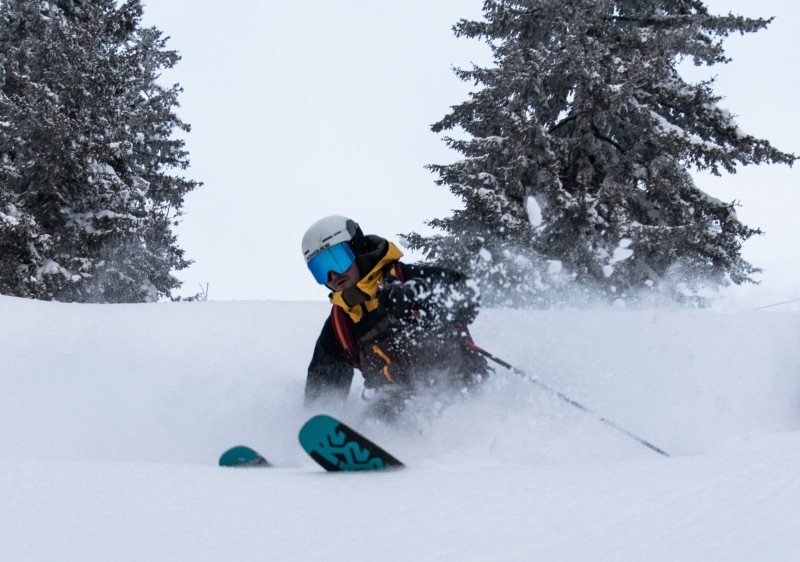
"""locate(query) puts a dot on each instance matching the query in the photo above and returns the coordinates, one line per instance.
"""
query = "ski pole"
(564, 397)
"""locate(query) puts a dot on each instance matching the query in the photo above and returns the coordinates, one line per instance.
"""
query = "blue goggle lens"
(337, 258)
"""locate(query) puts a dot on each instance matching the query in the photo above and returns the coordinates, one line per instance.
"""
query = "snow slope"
(112, 418)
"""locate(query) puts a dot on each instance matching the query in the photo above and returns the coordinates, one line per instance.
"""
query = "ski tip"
(337, 447)
(241, 457)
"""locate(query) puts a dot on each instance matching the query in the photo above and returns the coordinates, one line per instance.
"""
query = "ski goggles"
(337, 258)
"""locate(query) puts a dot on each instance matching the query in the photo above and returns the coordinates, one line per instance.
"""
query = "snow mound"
(112, 418)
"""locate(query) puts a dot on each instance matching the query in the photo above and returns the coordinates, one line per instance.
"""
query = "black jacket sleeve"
(330, 372)
(449, 293)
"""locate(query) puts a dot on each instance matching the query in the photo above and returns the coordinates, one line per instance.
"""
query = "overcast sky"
(305, 109)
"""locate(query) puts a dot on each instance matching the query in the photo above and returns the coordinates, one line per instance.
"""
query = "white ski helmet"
(325, 246)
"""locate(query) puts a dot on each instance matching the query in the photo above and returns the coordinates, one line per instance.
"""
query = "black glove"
(401, 300)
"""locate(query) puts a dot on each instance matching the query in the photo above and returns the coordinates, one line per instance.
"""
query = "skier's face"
(343, 281)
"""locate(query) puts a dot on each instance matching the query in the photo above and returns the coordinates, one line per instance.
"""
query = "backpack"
(344, 334)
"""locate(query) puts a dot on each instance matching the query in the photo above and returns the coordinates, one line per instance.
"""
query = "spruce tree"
(578, 149)
(88, 189)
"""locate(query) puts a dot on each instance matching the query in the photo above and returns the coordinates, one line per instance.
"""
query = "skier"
(403, 326)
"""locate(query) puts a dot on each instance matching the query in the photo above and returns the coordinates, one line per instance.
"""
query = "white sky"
(305, 109)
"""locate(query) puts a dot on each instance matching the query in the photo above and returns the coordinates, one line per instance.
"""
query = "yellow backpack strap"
(380, 353)
(344, 334)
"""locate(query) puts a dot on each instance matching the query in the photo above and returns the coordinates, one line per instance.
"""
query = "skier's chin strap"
(360, 299)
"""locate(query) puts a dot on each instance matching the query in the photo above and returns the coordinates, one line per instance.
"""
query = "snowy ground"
(112, 419)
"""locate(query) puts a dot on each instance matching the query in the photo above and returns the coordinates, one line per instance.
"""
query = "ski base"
(337, 447)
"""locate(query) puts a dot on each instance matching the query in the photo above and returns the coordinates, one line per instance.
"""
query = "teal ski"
(337, 447)
(242, 456)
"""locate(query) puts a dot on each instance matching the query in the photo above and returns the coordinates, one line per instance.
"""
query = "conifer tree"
(88, 189)
(578, 149)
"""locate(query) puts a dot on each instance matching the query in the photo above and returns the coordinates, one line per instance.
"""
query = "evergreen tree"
(88, 197)
(578, 148)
